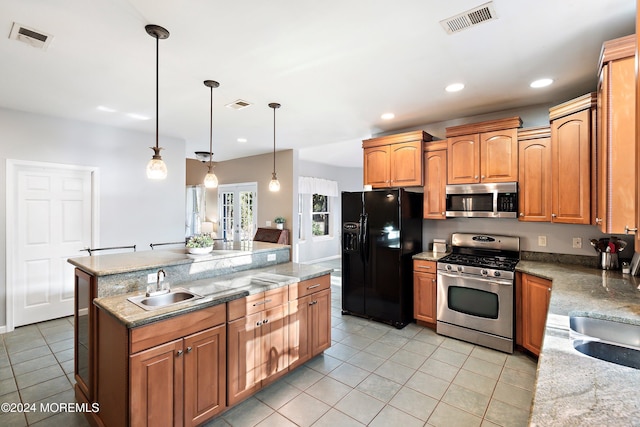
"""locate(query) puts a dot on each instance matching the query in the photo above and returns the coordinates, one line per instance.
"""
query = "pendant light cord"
(211, 132)
(274, 141)
(157, 85)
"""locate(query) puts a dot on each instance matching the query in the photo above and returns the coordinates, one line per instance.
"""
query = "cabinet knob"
(179, 353)
(521, 213)
(189, 349)
(482, 177)
(628, 230)
(475, 177)
(442, 213)
(554, 215)
(259, 323)
(598, 221)
(265, 321)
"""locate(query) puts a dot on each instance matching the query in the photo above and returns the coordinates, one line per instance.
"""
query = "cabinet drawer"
(256, 303)
(157, 333)
(306, 287)
(424, 266)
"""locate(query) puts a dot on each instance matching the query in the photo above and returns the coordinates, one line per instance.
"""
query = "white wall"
(349, 179)
(132, 209)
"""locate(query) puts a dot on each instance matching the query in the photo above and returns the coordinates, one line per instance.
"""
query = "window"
(320, 215)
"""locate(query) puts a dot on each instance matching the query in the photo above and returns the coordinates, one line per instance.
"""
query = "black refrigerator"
(381, 231)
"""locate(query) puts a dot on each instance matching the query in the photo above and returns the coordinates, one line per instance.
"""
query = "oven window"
(470, 202)
(473, 301)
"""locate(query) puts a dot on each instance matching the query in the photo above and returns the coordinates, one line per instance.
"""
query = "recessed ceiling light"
(242, 140)
(138, 116)
(541, 83)
(387, 116)
(105, 109)
(454, 87)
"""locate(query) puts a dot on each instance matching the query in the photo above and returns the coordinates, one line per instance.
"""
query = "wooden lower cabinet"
(258, 351)
(168, 373)
(309, 326)
(424, 291)
(533, 302)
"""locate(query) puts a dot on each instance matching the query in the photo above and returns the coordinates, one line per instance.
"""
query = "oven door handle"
(477, 278)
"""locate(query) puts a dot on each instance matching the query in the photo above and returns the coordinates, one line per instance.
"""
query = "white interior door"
(238, 211)
(52, 220)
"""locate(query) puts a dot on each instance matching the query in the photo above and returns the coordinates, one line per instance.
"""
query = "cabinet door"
(156, 386)
(84, 324)
(535, 180)
(535, 305)
(499, 156)
(320, 321)
(376, 166)
(299, 327)
(435, 182)
(424, 297)
(406, 164)
(463, 159)
(274, 343)
(571, 168)
(243, 361)
(204, 375)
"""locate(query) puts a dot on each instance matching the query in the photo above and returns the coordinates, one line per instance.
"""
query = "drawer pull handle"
(259, 323)
(261, 302)
(428, 267)
(628, 230)
(313, 286)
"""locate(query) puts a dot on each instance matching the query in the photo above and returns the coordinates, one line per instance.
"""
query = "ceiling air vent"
(238, 105)
(32, 37)
(470, 18)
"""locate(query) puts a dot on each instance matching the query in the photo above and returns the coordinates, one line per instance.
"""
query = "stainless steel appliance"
(381, 231)
(491, 200)
(475, 290)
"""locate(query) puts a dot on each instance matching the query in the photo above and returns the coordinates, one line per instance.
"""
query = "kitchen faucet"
(159, 290)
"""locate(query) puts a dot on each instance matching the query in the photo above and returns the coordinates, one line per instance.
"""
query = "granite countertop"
(103, 265)
(214, 290)
(572, 388)
(430, 256)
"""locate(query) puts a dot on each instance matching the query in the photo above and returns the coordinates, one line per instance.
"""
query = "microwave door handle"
(495, 202)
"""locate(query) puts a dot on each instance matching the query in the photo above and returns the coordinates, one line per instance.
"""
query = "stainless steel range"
(475, 290)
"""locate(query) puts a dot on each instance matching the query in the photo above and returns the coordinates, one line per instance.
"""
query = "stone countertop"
(430, 256)
(571, 388)
(106, 264)
(214, 290)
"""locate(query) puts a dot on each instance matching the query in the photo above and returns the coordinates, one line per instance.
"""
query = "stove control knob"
(484, 272)
(459, 268)
(496, 273)
(448, 267)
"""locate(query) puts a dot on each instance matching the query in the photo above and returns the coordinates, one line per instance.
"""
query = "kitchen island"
(572, 388)
(185, 362)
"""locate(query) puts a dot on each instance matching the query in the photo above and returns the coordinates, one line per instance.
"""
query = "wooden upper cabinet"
(534, 174)
(637, 138)
(435, 182)
(499, 156)
(616, 146)
(483, 152)
(394, 160)
(571, 146)
(463, 159)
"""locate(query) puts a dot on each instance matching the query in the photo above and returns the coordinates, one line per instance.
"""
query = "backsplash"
(585, 261)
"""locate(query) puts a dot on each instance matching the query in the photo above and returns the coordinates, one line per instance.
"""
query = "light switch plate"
(542, 240)
(268, 223)
(271, 257)
(577, 243)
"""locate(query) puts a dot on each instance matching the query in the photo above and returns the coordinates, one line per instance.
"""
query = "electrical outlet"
(542, 240)
(271, 257)
(153, 278)
(577, 243)
(268, 223)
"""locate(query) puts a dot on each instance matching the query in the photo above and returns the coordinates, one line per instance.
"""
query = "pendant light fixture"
(274, 184)
(210, 179)
(156, 168)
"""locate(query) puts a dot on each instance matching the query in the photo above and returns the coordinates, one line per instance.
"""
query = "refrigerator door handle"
(364, 239)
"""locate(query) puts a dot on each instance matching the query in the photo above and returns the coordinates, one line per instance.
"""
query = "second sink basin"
(607, 340)
(160, 301)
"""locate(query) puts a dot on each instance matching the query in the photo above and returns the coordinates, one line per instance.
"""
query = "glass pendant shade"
(156, 168)
(210, 179)
(274, 184)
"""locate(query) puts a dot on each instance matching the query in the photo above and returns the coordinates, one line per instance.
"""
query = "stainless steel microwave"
(491, 200)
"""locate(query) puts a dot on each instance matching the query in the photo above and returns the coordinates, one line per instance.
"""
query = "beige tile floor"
(372, 375)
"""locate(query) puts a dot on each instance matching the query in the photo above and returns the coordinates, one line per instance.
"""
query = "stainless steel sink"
(607, 340)
(176, 296)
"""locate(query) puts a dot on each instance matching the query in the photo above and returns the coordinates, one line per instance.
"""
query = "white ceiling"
(334, 65)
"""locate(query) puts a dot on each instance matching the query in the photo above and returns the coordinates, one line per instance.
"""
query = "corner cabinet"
(483, 152)
(394, 160)
(616, 144)
(572, 132)
(534, 174)
(424, 292)
(168, 373)
(533, 301)
(435, 180)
